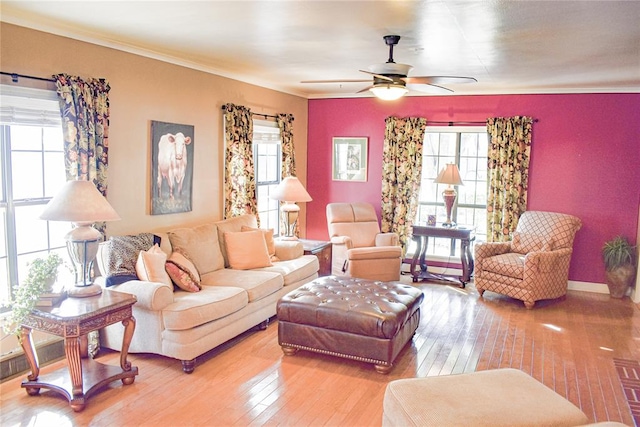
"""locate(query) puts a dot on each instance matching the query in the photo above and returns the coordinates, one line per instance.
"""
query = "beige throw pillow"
(268, 238)
(201, 244)
(150, 266)
(247, 250)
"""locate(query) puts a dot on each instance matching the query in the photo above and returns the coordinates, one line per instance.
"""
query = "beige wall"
(142, 90)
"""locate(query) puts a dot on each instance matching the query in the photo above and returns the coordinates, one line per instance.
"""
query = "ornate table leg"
(129, 328)
(72, 352)
(26, 342)
(416, 255)
(467, 261)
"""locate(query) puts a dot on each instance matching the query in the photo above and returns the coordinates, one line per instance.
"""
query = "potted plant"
(619, 263)
(40, 278)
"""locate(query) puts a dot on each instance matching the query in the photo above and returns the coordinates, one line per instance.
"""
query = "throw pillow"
(524, 243)
(150, 266)
(201, 243)
(268, 238)
(247, 250)
(183, 272)
(122, 256)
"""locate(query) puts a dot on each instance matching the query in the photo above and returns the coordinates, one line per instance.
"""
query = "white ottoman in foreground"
(501, 397)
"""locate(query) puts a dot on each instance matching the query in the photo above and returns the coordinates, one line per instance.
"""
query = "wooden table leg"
(26, 342)
(72, 352)
(129, 328)
(414, 260)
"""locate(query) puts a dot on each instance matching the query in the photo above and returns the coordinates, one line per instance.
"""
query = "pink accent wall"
(585, 158)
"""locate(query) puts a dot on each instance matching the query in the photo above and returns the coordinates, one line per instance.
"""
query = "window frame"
(271, 128)
(438, 205)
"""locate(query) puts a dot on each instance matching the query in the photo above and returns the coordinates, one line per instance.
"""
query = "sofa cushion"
(246, 250)
(233, 224)
(296, 269)
(150, 266)
(257, 284)
(201, 246)
(193, 309)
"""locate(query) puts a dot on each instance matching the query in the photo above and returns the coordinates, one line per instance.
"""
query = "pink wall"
(585, 158)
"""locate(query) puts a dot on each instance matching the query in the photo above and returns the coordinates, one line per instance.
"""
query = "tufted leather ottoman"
(349, 317)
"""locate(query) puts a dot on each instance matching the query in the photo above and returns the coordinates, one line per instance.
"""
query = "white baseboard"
(600, 288)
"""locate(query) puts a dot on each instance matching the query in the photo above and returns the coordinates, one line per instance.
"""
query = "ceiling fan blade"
(336, 81)
(379, 76)
(439, 80)
(365, 89)
(427, 88)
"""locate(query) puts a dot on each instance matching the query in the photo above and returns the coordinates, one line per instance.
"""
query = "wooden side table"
(73, 319)
(322, 250)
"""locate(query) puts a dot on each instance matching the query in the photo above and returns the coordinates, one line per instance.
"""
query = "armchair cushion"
(510, 264)
(524, 243)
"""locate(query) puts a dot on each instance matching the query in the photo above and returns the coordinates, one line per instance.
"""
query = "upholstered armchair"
(534, 265)
(358, 247)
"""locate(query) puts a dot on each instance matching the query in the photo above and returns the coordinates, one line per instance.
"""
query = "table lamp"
(289, 191)
(449, 175)
(80, 203)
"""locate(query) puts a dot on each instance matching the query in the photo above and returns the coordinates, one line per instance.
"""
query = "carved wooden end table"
(73, 319)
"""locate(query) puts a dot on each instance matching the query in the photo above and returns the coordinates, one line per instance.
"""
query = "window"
(467, 148)
(31, 172)
(267, 153)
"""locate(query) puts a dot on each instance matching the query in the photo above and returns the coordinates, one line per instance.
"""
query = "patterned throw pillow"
(123, 254)
(183, 272)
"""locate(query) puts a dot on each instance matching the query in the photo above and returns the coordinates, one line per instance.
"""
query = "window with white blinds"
(267, 153)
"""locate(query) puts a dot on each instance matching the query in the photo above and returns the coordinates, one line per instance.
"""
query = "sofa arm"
(151, 296)
(387, 239)
(288, 249)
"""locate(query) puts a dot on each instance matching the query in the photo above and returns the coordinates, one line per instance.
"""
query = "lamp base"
(84, 291)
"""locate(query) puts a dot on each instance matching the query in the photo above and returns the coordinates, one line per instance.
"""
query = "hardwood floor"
(568, 344)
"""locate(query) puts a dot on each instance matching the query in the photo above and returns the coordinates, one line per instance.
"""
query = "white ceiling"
(508, 46)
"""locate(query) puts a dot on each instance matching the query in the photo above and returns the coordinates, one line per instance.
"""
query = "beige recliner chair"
(535, 264)
(358, 247)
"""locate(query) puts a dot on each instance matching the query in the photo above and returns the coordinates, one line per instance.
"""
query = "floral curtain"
(401, 173)
(239, 180)
(84, 109)
(508, 174)
(288, 160)
(285, 123)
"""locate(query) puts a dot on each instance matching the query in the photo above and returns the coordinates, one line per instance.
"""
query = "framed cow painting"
(171, 167)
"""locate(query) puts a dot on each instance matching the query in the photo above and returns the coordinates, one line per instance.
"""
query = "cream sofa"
(184, 325)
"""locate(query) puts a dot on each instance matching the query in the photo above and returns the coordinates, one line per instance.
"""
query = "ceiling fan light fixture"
(389, 91)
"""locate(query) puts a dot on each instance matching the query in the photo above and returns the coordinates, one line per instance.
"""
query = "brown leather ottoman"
(349, 317)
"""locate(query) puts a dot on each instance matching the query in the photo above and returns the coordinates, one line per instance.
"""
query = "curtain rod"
(432, 122)
(266, 116)
(15, 76)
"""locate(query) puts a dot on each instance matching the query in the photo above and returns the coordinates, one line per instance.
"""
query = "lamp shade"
(449, 175)
(291, 189)
(79, 202)
(388, 91)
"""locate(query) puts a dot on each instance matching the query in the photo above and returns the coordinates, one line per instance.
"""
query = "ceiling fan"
(391, 80)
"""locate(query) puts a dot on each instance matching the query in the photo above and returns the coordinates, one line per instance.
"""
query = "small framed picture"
(431, 220)
(349, 159)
